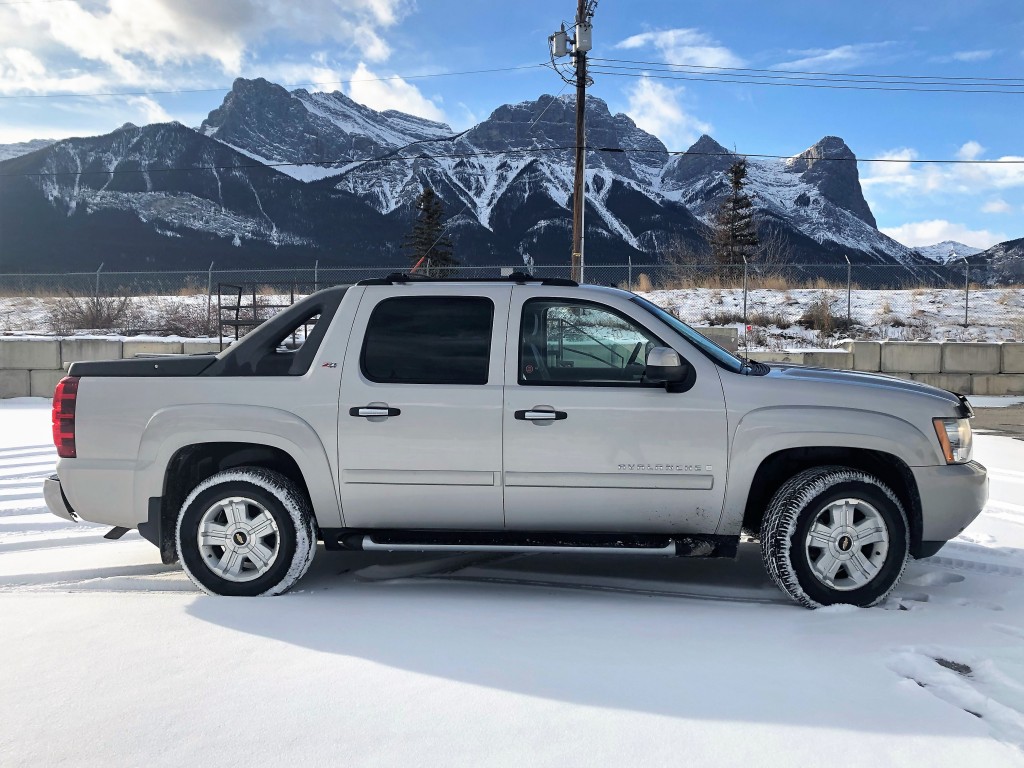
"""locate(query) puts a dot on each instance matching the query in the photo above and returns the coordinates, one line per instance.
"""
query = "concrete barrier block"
(202, 347)
(77, 350)
(781, 358)
(42, 383)
(26, 354)
(1012, 357)
(837, 359)
(998, 384)
(133, 348)
(723, 337)
(14, 383)
(970, 357)
(952, 382)
(867, 355)
(911, 357)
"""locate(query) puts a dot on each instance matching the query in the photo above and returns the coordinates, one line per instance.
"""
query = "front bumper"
(56, 501)
(951, 497)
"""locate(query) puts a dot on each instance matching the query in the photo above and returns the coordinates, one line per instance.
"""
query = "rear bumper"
(56, 501)
(951, 497)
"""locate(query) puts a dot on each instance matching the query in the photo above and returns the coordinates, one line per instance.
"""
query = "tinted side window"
(429, 340)
(573, 342)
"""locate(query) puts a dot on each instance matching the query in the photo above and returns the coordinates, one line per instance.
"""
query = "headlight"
(955, 438)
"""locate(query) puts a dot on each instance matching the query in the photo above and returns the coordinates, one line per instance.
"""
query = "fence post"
(849, 292)
(209, 298)
(316, 276)
(98, 281)
(746, 331)
(967, 289)
(630, 280)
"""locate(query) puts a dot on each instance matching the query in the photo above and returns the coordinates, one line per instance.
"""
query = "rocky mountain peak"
(831, 166)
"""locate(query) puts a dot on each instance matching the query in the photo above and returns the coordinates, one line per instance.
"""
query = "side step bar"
(368, 543)
(526, 542)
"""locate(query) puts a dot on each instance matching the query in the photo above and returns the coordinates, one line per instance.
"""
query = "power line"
(488, 153)
(978, 82)
(808, 72)
(291, 85)
(698, 78)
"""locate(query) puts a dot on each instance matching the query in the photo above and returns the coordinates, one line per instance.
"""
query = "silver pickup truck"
(512, 415)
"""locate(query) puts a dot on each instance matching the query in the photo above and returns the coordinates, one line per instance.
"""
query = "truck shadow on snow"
(732, 649)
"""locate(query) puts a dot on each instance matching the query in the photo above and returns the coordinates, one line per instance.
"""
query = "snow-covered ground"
(906, 315)
(923, 314)
(108, 658)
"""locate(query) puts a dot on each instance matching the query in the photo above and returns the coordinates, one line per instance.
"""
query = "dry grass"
(643, 284)
(768, 318)
(721, 316)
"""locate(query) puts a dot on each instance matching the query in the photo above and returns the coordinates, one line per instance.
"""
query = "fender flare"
(758, 435)
(171, 429)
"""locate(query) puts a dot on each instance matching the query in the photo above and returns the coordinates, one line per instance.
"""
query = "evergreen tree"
(426, 244)
(735, 233)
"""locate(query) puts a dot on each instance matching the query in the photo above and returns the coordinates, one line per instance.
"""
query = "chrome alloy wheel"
(238, 539)
(847, 544)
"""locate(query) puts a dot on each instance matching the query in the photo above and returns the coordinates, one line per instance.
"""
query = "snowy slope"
(8, 151)
(943, 252)
(541, 661)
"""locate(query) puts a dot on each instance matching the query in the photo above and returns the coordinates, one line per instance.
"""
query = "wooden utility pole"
(579, 180)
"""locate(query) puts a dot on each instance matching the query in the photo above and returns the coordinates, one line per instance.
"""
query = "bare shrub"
(643, 283)
(768, 318)
(190, 319)
(118, 314)
(821, 316)
(721, 316)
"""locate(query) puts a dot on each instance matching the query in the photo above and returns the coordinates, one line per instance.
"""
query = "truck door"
(588, 445)
(419, 434)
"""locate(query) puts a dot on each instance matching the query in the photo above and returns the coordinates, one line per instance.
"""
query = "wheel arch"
(196, 441)
(776, 468)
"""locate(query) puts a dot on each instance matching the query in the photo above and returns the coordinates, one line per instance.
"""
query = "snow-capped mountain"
(947, 250)
(274, 177)
(10, 151)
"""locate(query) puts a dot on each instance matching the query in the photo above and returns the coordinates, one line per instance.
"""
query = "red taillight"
(64, 399)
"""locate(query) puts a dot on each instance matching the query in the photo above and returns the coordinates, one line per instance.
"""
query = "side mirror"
(664, 366)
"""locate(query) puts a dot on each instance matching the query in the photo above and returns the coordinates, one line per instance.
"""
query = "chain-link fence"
(771, 306)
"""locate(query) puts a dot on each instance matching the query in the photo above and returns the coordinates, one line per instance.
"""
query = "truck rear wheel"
(835, 535)
(245, 532)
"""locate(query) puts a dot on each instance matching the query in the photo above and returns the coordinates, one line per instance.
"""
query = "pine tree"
(426, 244)
(735, 233)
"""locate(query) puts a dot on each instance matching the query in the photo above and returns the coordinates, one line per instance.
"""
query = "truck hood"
(868, 380)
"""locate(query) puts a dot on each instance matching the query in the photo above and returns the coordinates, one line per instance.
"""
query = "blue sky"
(89, 46)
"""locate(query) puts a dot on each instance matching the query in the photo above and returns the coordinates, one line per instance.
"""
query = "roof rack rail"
(397, 278)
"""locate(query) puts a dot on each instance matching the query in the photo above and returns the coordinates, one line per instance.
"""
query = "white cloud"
(973, 55)
(658, 109)
(908, 177)
(972, 150)
(367, 88)
(684, 46)
(920, 233)
(149, 43)
(835, 59)
(997, 205)
(149, 109)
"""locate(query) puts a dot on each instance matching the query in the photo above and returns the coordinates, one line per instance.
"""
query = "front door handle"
(541, 414)
(372, 411)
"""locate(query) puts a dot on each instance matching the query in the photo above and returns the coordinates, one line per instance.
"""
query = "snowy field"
(108, 658)
(904, 315)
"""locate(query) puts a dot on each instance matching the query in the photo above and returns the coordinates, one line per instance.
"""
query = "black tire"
(795, 508)
(294, 539)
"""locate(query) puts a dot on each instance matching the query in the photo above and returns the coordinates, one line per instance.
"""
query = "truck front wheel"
(244, 532)
(835, 535)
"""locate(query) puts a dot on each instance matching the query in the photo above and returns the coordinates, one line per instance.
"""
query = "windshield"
(720, 355)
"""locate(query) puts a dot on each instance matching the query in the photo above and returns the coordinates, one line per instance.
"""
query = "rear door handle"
(540, 415)
(371, 411)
